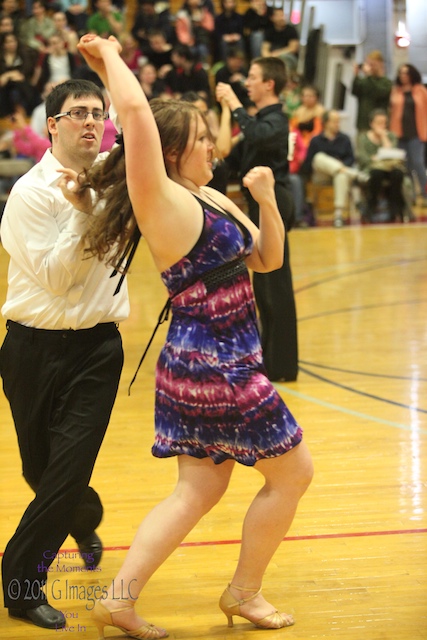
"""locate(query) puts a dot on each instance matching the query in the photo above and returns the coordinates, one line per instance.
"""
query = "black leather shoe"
(91, 550)
(43, 616)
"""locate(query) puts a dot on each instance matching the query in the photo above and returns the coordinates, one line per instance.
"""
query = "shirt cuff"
(238, 111)
(78, 223)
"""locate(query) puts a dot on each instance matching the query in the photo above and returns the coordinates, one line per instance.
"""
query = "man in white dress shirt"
(62, 356)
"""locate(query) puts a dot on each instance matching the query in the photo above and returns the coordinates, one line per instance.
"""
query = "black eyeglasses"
(78, 113)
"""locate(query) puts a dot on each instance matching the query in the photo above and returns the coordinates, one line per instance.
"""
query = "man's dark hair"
(75, 88)
(184, 51)
(41, 3)
(192, 96)
(273, 69)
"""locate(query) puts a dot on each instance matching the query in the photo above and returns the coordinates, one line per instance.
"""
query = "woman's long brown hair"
(114, 224)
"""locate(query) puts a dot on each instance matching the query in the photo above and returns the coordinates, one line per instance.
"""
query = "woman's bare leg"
(200, 486)
(267, 522)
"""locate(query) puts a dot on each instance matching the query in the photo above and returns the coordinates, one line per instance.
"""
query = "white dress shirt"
(52, 284)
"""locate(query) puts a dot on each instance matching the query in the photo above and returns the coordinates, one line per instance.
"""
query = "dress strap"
(163, 317)
(130, 249)
(244, 230)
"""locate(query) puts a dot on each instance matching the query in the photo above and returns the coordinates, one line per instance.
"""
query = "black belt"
(211, 279)
(33, 334)
(227, 271)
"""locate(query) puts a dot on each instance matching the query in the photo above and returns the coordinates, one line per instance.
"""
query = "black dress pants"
(393, 191)
(61, 386)
(275, 300)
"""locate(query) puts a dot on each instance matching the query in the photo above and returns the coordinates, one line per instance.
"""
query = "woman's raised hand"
(260, 182)
(95, 44)
(92, 47)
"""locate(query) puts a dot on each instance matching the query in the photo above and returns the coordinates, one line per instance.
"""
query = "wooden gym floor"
(354, 563)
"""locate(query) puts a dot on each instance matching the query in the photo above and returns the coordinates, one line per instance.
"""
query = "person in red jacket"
(408, 121)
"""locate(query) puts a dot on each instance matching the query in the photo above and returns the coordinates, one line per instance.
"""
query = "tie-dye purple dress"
(213, 397)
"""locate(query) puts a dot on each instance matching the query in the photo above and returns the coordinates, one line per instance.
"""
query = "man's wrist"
(236, 111)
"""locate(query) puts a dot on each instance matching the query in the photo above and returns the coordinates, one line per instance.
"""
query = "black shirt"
(159, 58)
(338, 147)
(178, 81)
(409, 127)
(252, 21)
(265, 142)
(280, 39)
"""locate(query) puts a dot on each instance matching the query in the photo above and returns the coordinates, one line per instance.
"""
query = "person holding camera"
(371, 88)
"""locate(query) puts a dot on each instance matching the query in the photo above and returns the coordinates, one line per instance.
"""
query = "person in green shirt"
(371, 88)
(384, 172)
(105, 21)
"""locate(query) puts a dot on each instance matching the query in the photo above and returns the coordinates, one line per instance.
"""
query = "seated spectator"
(152, 85)
(6, 24)
(228, 32)
(297, 152)
(68, 33)
(234, 73)
(26, 141)
(38, 117)
(305, 123)
(255, 21)
(77, 14)
(380, 172)
(36, 30)
(291, 94)
(281, 40)
(159, 52)
(59, 64)
(106, 21)
(8, 154)
(187, 74)
(7, 150)
(330, 159)
(130, 51)
(210, 115)
(110, 131)
(221, 133)
(194, 25)
(11, 9)
(307, 118)
(17, 76)
(147, 20)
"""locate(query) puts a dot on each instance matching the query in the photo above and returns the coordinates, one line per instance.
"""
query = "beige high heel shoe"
(231, 607)
(103, 617)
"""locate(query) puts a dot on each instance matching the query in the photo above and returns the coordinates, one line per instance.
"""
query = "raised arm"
(140, 132)
(164, 210)
(224, 139)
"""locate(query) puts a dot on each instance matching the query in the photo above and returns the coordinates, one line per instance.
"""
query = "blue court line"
(362, 373)
(354, 272)
(351, 412)
(362, 393)
(362, 307)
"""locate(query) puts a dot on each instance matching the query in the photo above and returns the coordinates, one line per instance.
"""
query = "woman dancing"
(214, 403)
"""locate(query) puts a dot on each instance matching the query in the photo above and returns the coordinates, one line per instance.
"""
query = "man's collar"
(277, 106)
(50, 165)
